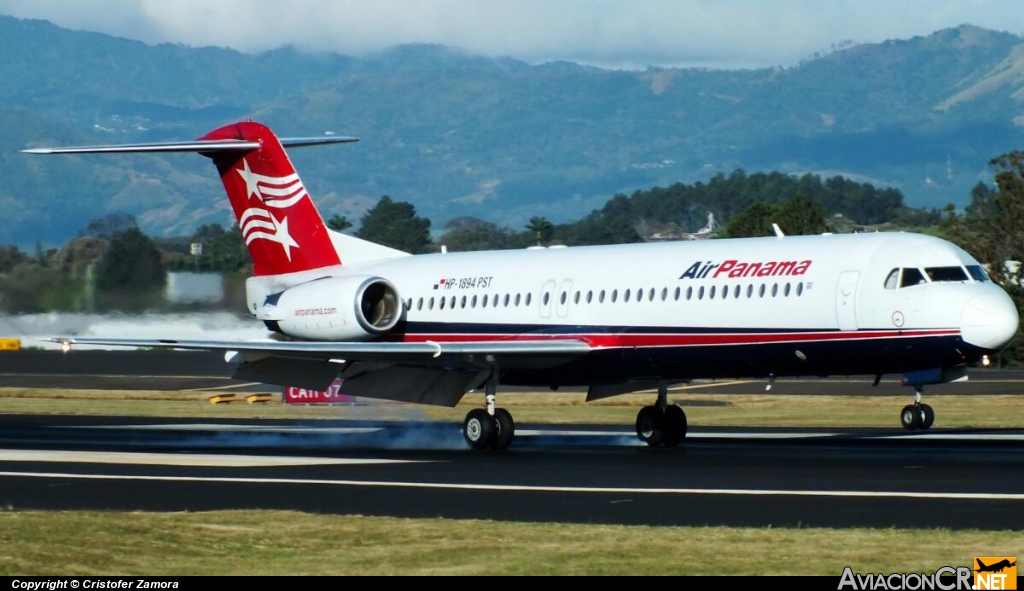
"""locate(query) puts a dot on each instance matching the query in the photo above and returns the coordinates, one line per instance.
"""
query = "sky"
(724, 34)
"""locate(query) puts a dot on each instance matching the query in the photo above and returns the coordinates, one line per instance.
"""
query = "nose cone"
(989, 321)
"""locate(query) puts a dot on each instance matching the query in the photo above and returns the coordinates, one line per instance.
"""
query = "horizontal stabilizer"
(201, 146)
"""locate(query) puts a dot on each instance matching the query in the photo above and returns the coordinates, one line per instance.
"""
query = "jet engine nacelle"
(354, 308)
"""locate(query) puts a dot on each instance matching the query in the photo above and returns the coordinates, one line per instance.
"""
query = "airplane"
(616, 319)
(994, 568)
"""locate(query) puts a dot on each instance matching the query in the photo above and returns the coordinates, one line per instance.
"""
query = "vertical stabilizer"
(281, 226)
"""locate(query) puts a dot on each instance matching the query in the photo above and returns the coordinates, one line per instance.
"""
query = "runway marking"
(701, 435)
(173, 459)
(528, 488)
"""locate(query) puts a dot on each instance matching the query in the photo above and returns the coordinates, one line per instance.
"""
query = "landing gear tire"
(675, 425)
(479, 429)
(505, 428)
(927, 416)
(910, 417)
(650, 425)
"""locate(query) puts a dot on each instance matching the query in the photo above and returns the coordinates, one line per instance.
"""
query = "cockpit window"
(946, 273)
(892, 281)
(911, 276)
(977, 273)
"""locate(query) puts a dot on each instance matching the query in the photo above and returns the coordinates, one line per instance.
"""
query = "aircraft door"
(846, 298)
(563, 296)
(547, 294)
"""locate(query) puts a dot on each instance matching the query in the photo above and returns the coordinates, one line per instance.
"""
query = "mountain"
(458, 134)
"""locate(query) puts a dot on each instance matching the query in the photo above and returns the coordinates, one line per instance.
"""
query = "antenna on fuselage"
(778, 231)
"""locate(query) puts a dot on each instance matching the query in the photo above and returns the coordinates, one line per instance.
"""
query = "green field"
(281, 543)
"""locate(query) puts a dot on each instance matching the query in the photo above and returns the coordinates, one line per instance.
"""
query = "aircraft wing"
(356, 351)
(429, 372)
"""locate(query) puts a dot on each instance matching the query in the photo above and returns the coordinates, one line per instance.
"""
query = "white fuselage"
(816, 290)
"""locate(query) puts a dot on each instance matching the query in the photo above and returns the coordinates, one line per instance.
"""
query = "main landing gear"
(661, 424)
(490, 428)
(917, 415)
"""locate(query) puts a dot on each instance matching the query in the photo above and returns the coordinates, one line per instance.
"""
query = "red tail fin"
(281, 226)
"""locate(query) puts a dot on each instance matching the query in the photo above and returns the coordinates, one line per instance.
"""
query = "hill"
(462, 135)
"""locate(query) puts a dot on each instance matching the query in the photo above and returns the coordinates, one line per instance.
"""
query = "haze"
(610, 33)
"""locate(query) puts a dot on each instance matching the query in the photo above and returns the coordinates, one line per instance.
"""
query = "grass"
(285, 543)
(955, 411)
(288, 543)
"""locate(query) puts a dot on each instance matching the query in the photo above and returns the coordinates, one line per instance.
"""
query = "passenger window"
(430, 304)
(547, 298)
(419, 304)
(700, 293)
(462, 304)
(678, 293)
(576, 299)
(650, 295)
(625, 296)
(473, 305)
(689, 293)
(639, 295)
(600, 298)
(711, 293)
(725, 292)
(761, 290)
(799, 289)
(529, 298)
(440, 304)
(507, 298)
(775, 289)
(785, 291)
(562, 299)
(664, 294)
(615, 295)
(517, 300)
(483, 302)
(750, 291)
(946, 274)
(590, 296)
(911, 276)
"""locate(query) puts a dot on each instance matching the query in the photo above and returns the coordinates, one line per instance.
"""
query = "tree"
(469, 233)
(339, 223)
(109, 225)
(10, 257)
(801, 216)
(755, 220)
(131, 264)
(540, 229)
(991, 229)
(395, 224)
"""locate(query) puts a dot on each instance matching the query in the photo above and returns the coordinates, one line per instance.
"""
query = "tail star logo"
(257, 222)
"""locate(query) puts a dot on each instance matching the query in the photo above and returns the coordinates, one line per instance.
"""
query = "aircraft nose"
(989, 321)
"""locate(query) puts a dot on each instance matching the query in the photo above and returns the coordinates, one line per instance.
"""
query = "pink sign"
(333, 395)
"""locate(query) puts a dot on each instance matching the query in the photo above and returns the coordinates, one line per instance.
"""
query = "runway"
(576, 473)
